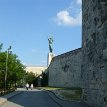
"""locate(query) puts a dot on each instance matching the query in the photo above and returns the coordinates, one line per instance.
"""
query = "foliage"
(44, 81)
(30, 78)
(1, 45)
(15, 70)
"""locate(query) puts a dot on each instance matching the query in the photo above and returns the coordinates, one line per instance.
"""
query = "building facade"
(37, 70)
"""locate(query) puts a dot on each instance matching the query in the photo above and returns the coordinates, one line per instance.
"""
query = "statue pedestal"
(49, 58)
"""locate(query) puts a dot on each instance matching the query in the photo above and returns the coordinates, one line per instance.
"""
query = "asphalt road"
(31, 98)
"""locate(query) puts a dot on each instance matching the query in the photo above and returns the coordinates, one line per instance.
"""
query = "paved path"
(37, 98)
(31, 98)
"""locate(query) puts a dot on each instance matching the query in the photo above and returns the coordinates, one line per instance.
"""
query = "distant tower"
(50, 54)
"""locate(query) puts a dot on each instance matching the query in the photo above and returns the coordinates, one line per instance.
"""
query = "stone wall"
(64, 70)
(86, 67)
(94, 52)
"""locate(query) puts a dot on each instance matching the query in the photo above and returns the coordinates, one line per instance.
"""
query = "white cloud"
(79, 1)
(71, 16)
(64, 18)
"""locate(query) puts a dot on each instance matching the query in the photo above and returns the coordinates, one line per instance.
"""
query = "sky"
(26, 25)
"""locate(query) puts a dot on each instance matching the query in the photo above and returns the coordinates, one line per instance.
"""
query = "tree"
(15, 70)
(31, 78)
(1, 45)
(2, 68)
(45, 75)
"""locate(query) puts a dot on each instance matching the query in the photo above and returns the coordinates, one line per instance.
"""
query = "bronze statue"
(50, 44)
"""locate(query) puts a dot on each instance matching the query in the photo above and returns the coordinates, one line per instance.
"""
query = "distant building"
(37, 70)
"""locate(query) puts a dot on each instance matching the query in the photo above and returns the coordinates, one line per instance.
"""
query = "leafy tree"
(31, 78)
(1, 45)
(15, 70)
(44, 81)
(2, 68)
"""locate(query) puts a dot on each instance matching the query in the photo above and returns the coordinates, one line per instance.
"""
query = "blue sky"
(26, 25)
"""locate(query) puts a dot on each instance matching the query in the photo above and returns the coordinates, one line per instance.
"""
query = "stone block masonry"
(65, 70)
(86, 67)
(94, 52)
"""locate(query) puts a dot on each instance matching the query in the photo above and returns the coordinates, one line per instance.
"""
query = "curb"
(59, 97)
(62, 98)
(54, 98)
(2, 100)
(5, 98)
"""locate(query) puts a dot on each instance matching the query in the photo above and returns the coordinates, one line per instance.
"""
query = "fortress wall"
(86, 67)
(64, 70)
(94, 52)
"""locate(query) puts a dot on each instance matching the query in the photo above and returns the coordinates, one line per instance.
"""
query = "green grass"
(66, 93)
(50, 88)
(75, 95)
(59, 88)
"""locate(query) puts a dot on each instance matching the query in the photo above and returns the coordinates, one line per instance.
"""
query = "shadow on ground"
(38, 98)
